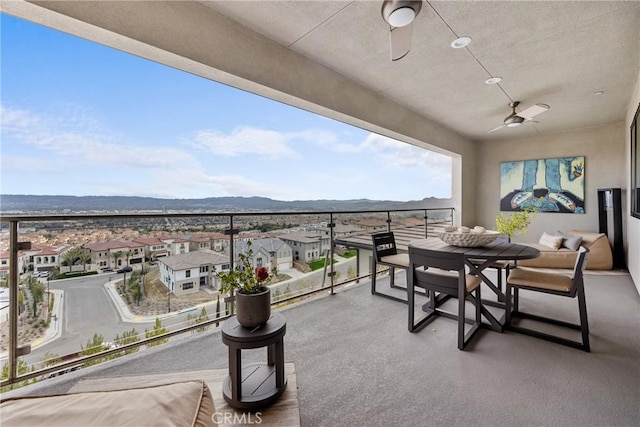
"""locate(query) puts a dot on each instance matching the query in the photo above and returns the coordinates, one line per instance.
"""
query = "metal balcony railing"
(229, 223)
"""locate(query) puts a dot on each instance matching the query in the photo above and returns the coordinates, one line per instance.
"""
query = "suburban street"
(89, 309)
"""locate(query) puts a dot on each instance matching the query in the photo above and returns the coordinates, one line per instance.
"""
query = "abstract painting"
(546, 185)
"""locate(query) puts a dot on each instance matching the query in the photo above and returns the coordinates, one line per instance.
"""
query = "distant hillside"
(15, 203)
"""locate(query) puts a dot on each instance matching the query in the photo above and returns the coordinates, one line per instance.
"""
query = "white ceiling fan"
(516, 119)
(399, 14)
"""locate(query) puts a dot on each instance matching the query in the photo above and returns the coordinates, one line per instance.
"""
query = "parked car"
(126, 269)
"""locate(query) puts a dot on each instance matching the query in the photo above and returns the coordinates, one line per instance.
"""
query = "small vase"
(253, 309)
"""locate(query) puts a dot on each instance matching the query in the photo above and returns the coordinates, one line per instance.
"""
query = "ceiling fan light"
(402, 16)
(513, 121)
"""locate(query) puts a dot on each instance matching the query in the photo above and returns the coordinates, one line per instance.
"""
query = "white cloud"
(79, 137)
(74, 144)
(244, 140)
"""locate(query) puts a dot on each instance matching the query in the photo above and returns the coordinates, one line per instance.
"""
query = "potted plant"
(516, 223)
(252, 295)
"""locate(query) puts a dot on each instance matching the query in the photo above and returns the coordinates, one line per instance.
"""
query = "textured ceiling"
(557, 53)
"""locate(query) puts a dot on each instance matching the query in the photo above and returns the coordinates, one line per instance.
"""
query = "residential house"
(4, 263)
(44, 258)
(114, 254)
(189, 272)
(270, 252)
(154, 247)
(176, 245)
(341, 229)
(306, 246)
(214, 241)
(198, 242)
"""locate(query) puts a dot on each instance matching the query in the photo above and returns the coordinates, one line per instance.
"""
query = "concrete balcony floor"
(356, 363)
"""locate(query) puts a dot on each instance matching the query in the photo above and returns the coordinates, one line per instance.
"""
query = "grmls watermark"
(245, 418)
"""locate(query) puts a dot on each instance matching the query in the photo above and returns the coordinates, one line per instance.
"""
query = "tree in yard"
(158, 329)
(143, 273)
(72, 256)
(202, 318)
(127, 255)
(135, 289)
(85, 258)
(37, 293)
(116, 257)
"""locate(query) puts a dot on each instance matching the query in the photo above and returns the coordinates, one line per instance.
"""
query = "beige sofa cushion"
(600, 256)
(185, 404)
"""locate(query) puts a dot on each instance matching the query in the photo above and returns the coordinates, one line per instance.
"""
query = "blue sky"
(81, 119)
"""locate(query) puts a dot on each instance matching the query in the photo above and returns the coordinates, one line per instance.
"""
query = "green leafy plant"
(516, 223)
(244, 277)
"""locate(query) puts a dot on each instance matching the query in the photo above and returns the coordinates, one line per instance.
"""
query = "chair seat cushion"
(401, 260)
(185, 404)
(495, 264)
(472, 281)
(541, 280)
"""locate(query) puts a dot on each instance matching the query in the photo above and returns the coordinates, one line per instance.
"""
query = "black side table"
(255, 385)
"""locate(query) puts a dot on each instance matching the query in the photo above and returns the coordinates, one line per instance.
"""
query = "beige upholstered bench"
(187, 403)
(600, 255)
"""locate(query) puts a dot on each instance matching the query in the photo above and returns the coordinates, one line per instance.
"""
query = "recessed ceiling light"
(493, 80)
(461, 42)
(401, 17)
(600, 92)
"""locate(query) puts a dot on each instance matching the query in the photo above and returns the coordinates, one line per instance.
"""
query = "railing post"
(331, 252)
(231, 232)
(388, 220)
(426, 223)
(357, 265)
(14, 275)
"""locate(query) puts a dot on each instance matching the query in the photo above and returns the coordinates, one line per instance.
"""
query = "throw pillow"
(553, 242)
(570, 241)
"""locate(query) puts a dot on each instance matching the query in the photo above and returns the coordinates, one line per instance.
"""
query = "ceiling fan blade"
(533, 111)
(498, 128)
(400, 39)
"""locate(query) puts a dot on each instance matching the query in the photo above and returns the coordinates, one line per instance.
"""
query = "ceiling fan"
(516, 119)
(399, 14)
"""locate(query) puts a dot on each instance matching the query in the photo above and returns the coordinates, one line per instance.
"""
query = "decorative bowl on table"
(470, 239)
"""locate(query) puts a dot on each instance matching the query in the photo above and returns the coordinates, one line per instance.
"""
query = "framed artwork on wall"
(634, 188)
(546, 185)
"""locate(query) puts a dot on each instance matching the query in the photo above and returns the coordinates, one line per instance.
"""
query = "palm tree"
(71, 257)
(85, 257)
(116, 257)
(127, 255)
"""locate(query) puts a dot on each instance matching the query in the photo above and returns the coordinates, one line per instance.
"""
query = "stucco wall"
(633, 224)
(604, 150)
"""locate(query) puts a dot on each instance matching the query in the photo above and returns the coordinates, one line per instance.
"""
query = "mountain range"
(18, 203)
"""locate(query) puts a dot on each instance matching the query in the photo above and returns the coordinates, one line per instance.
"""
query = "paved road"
(88, 309)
